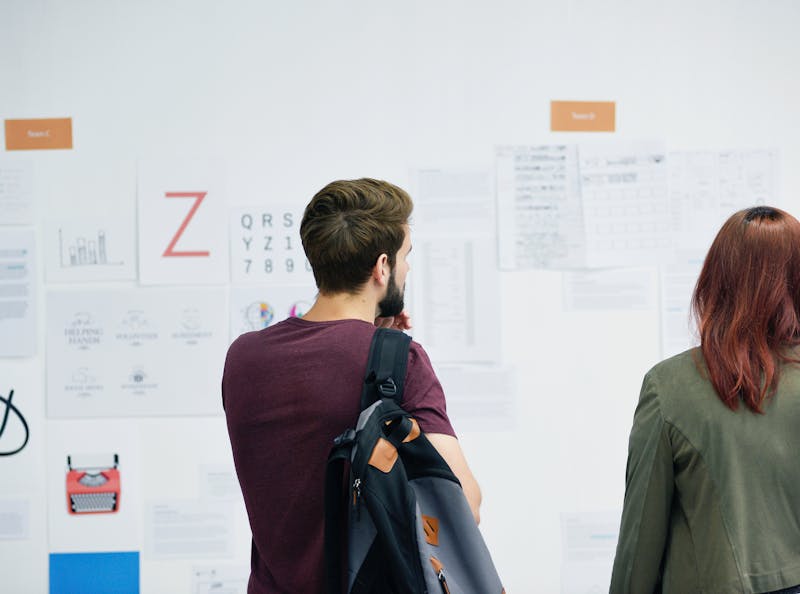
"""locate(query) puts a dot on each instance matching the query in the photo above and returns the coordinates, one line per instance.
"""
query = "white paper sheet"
(589, 541)
(14, 519)
(16, 192)
(256, 308)
(87, 247)
(17, 292)
(220, 579)
(189, 529)
(219, 481)
(92, 445)
(610, 289)
(139, 352)
(479, 397)
(540, 219)
(22, 451)
(182, 237)
(706, 187)
(625, 199)
(747, 178)
(453, 200)
(456, 294)
(678, 331)
(266, 246)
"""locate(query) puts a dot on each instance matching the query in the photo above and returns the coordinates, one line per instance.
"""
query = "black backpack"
(399, 511)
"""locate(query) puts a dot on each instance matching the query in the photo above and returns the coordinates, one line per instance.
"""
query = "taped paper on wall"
(462, 199)
(90, 248)
(182, 239)
(456, 291)
(540, 218)
(266, 246)
(151, 352)
(256, 308)
(187, 529)
(17, 292)
(16, 192)
(593, 206)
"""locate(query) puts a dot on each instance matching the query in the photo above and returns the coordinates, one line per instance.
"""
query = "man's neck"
(342, 306)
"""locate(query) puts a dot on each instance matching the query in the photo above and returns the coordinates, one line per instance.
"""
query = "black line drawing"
(9, 408)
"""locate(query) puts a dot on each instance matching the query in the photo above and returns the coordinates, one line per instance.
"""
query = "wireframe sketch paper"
(625, 203)
(706, 187)
(540, 216)
(588, 206)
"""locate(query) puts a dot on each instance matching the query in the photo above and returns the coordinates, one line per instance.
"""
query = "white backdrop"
(289, 96)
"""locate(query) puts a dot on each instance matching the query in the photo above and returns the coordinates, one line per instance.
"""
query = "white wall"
(292, 95)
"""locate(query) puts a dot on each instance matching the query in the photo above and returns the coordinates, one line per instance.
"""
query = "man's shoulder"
(417, 354)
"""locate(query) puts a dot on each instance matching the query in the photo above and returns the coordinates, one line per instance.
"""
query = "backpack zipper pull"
(357, 497)
(438, 567)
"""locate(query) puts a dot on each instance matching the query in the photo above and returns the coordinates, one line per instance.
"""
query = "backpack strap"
(386, 367)
(336, 510)
(384, 378)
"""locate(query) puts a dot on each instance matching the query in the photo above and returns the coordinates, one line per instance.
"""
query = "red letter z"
(170, 252)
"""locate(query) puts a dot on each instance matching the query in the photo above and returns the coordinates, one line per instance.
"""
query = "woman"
(712, 496)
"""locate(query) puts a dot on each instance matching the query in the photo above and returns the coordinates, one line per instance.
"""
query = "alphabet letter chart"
(266, 247)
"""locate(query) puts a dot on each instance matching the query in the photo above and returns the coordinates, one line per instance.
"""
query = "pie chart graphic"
(299, 309)
(259, 315)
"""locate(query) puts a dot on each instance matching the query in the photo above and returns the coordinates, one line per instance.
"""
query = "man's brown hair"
(347, 225)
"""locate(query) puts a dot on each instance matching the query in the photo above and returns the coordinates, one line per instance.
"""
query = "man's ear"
(381, 270)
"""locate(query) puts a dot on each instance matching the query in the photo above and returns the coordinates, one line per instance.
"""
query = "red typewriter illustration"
(93, 489)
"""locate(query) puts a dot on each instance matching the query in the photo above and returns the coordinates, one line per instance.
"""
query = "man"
(290, 389)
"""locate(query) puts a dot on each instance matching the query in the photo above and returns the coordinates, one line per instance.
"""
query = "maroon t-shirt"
(288, 391)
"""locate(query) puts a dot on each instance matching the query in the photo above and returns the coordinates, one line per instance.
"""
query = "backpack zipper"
(439, 569)
(357, 497)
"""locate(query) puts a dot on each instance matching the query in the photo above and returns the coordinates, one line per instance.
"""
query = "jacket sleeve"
(648, 499)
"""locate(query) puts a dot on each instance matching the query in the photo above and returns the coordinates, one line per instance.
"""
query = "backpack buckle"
(387, 388)
(348, 436)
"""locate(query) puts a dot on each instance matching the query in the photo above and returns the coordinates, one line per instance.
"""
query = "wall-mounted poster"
(94, 485)
(256, 308)
(182, 231)
(17, 292)
(135, 352)
(88, 247)
(266, 247)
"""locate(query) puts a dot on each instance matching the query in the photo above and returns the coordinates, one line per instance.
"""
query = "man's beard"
(393, 304)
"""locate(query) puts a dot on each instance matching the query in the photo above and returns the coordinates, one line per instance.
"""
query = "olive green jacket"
(712, 496)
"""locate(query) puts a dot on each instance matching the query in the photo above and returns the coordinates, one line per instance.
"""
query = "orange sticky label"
(582, 116)
(39, 134)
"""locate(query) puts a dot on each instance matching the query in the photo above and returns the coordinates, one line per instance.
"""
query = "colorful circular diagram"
(259, 315)
(299, 309)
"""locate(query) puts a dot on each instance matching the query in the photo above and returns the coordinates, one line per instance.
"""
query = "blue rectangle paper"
(94, 573)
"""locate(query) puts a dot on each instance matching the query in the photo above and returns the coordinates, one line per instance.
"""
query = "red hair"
(747, 304)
